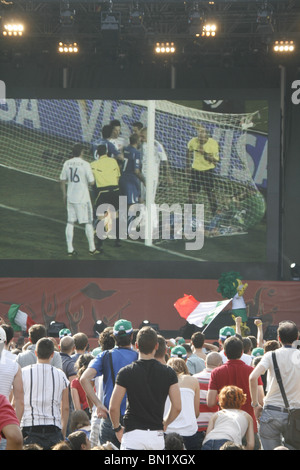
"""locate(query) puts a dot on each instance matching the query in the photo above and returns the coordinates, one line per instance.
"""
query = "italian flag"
(199, 313)
(19, 320)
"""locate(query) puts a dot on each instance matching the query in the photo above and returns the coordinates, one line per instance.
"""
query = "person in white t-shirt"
(273, 416)
(77, 175)
(225, 333)
(46, 399)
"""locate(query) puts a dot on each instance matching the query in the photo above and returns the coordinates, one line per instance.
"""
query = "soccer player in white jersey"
(115, 137)
(160, 157)
(76, 174)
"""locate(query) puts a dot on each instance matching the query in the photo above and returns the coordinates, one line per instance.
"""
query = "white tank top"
(8, 371)
(186, 423)
(230, 425)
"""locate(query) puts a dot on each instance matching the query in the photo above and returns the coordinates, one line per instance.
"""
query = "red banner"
(79, 303)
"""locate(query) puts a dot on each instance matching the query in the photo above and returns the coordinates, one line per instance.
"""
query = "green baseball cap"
(122, 327)
(64, 332)
(226, 332)
(180, 341)
(179, 351)
(256, 352)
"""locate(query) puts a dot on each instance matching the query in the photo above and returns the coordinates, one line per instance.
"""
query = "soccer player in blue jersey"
(131, 175)
(112, 150)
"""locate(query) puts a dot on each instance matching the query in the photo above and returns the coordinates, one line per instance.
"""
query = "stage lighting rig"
(295, 271)
(68, 47)
(99, 327)
(284, 47)
(67, 15)
(195, 21)
(209, 30)
(12, 29)
(144, 323)
(265, 20)
(136, 16)
(165, 48)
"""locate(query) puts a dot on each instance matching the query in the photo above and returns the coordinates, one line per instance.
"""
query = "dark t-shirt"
(68, 365)
(147, 383)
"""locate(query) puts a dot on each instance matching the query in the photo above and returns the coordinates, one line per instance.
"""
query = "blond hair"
(178, 365)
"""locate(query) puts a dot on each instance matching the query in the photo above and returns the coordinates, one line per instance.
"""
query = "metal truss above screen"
(139, 24)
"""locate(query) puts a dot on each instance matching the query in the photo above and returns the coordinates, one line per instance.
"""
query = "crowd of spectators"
(141, 391)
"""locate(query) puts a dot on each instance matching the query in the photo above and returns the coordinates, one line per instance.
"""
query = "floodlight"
(209, 30)
(284, 46)
(155, 326)
(165, 48)
(12, 29)
(54, 328)
(295, 271)
(99, 327)
(68, 47)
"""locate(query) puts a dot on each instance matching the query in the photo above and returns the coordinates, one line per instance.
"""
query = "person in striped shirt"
(46, 400)
(213, 360)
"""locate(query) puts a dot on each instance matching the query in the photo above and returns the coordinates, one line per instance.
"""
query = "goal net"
(37, 136)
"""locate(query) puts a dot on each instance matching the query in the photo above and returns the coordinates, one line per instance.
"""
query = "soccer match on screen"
(134, 179)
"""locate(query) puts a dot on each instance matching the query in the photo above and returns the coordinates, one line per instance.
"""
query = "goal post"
(150, 196)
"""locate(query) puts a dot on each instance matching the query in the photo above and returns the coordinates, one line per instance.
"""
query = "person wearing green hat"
(179, 351)
(64, 332)
(179, 340)
(258, 352)
(107, 364)
(224, 333)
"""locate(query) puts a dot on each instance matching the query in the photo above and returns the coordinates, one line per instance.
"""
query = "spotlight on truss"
(265, 20)
(195, 22)
(209, 30)
(110, 21)
(67, 16)
(284, 47)
(136, 21)
(12, 29)
(68, 47)
(165, 48)
(295, 271)
(136, 17)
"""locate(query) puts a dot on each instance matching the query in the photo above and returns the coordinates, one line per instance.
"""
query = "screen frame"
(268, 270)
